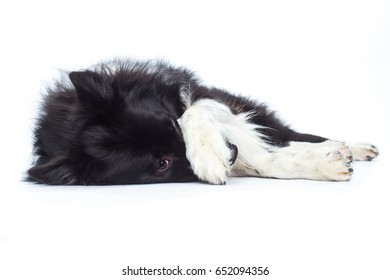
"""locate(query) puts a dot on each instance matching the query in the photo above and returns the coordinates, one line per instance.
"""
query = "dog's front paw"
(210, 154)
(212, 162)
(363, 151)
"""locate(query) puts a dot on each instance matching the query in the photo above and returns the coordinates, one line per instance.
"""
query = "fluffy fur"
(129, 122)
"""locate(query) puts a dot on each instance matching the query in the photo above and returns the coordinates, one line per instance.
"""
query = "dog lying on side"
(131, 122)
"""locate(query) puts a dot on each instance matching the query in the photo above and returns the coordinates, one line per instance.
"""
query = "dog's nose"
(233, 152)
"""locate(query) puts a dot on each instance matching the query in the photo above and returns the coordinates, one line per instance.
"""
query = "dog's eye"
(163, 164)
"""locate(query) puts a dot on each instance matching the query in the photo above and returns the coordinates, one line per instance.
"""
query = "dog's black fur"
(117, 124)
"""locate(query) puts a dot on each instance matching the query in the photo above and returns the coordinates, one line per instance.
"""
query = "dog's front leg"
(209, 152)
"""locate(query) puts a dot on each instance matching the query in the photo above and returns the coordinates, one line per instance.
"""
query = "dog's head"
(126, 131)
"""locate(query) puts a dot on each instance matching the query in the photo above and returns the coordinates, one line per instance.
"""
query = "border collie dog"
(132, 122)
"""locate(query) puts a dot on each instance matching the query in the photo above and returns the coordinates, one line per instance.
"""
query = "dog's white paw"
(213, 170)
(211, 161)
(363, 151)
(334, 163)
(210, 154)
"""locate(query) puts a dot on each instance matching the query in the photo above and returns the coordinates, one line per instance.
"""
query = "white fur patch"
(207, 126)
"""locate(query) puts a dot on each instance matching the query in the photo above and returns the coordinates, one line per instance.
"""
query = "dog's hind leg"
(328, 160)
(361, 151)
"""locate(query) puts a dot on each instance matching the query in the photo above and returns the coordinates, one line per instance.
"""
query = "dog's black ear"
(55, 172)
(91, 86)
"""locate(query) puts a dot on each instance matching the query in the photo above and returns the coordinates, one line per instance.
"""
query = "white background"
(324, 65)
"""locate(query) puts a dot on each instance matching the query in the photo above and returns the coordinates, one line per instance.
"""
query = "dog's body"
(127, 122)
